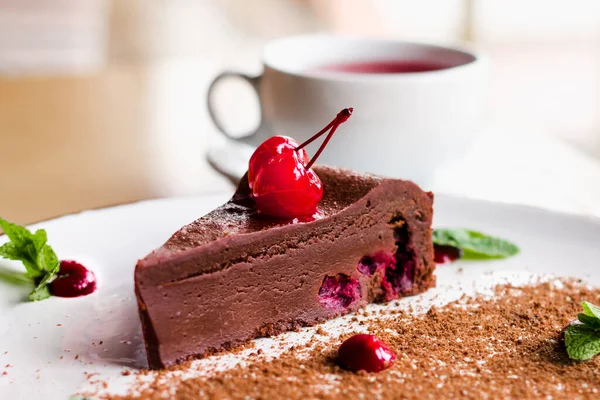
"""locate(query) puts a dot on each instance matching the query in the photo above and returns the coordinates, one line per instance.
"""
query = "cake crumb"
(506, 346)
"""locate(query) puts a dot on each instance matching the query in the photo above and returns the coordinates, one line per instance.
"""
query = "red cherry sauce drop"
(446, 254)
(74, 280)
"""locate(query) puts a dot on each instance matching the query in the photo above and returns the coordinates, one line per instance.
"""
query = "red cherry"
(365, 353)
(279, 174)
(73, 280)
(268, 149)
(285, 188)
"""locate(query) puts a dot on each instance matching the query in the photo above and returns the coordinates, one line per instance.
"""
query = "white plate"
(50, 345)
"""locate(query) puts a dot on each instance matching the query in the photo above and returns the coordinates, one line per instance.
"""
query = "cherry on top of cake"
(342, 188)
(280, 176)
(280, 188)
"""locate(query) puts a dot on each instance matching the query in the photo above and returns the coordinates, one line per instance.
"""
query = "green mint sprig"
(582, 339)
(474, 244)
(40, 261)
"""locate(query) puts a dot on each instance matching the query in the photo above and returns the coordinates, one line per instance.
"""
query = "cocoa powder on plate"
(502, 347)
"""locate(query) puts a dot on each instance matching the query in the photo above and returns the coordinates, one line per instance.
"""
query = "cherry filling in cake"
(393, 271)
(339, 292)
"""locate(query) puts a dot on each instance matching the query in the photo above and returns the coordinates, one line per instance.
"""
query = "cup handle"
(254, 82)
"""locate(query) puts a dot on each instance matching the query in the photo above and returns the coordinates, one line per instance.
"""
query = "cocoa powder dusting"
(474, 348)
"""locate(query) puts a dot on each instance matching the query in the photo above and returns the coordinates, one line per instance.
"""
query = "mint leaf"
(22, 247)
(475, 244)
(17, 234)
(582, 339)
(582, 342)
(41, 292)
(10, 251)
(591, 322)
(38, 258)
(591, 310)
(47, 260)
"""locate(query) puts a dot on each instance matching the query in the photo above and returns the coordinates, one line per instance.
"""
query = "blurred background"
(103, 101)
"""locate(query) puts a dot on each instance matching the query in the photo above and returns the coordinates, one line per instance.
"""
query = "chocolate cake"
(237, 274)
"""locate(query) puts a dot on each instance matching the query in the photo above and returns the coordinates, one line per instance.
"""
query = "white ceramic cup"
(404, 125)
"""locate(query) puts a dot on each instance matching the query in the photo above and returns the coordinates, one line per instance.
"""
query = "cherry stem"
(317, 135)
(333, 125)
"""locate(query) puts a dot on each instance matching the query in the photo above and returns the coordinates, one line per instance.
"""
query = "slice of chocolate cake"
(236, 274)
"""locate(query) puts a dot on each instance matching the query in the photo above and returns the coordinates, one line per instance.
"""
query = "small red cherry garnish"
(270, 148)
(279, 174)
(73, 280)
(364, 352)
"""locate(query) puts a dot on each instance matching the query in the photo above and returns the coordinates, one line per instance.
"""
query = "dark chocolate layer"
(235, 274)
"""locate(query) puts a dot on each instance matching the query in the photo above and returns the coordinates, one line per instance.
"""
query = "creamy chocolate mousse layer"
(236, 274)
